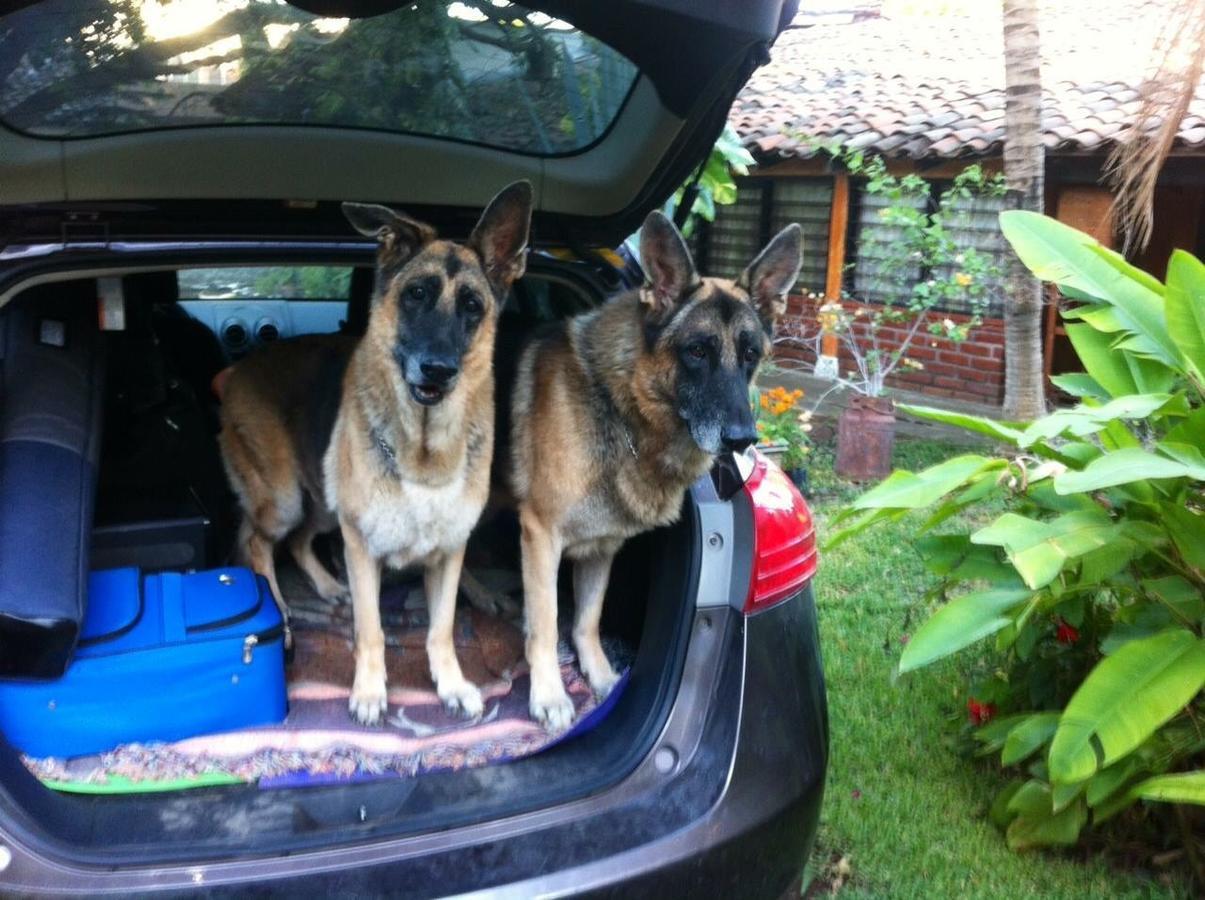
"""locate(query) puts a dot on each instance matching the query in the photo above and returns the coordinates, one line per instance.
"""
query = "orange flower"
(765, 401)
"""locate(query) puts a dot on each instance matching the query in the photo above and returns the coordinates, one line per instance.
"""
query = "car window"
(266, 283)
(481, 71)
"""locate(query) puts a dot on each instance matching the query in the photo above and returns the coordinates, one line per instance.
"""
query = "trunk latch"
(249, 643)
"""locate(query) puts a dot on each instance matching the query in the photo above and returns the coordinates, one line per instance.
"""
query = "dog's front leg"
(590, 577)
(549, 704)
(442, 578)
(369, 697)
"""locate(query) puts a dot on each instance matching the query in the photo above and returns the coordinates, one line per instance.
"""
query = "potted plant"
(782, 430)
(918, 270)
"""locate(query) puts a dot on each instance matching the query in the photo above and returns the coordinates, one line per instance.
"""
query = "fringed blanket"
(319, 742)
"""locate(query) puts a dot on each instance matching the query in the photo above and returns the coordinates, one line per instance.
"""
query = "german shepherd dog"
(389, 437)
(615, 414)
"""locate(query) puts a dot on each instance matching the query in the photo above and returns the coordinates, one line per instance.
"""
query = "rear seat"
(51, 383)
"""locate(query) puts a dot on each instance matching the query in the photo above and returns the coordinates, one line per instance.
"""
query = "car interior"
(137, 407)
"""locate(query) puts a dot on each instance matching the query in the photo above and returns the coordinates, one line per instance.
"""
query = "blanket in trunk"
(319, 742)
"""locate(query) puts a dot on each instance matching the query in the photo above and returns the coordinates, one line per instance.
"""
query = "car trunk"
(128, 151)
(161, 504)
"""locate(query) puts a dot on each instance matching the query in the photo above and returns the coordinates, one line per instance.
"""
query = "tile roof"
(933, 86)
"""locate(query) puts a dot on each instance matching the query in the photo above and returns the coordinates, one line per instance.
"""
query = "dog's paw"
(368, 701)
(331, 589)
(602, 681)
(462, 698)
(491, 602)
(552, 708)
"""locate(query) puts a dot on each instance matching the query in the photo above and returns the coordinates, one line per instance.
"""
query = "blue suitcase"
(160, 658)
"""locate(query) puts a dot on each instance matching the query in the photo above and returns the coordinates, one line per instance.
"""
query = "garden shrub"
(1092, 581)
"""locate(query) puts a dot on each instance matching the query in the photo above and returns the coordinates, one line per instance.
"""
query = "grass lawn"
(905, 811)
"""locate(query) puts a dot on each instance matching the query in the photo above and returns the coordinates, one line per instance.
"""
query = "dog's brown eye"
(697, 351)
(417, 292)
(472, 306)
(750, 355)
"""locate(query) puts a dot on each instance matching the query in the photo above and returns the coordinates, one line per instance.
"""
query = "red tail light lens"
(784, 537)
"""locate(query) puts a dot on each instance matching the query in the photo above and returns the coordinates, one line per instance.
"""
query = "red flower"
(980, 713)
(1066, 634)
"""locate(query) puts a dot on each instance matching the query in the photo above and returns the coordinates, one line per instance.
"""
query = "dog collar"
(387, 451)
(627, 436)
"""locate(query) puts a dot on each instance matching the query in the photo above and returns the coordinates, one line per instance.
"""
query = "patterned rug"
(319, 742)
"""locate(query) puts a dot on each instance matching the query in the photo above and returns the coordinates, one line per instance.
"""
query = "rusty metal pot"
(865, 438)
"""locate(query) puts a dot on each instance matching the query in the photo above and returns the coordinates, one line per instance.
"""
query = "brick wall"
(969, 370)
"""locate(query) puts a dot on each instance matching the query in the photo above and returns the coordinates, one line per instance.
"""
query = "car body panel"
(726, 802)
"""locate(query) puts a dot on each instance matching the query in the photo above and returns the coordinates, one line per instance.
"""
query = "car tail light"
(784, 537)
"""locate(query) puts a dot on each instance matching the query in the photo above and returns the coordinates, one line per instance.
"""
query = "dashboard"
(243, 325)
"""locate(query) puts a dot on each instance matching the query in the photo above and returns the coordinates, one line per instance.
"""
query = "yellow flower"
(962, 279)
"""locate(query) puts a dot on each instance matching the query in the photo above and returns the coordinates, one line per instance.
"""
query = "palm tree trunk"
(1025, 177)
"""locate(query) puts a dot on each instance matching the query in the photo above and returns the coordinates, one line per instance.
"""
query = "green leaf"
(1107, 368)
(999, 813)
(1179, 594)
(1058, 253)
(1185, 310)
(1117, 261)
(1040, 550)
(1047, 829)
(1108, 781)
(1084, 420)
(1186, 454)
(1182, 787)
(1123, 467)
(863, 522)
(1000, 430)
(1191, 430)
(1062, 794)
(1079, 384)
(1124, 699)
(908, 490)
(960, 623)
(1028, 736)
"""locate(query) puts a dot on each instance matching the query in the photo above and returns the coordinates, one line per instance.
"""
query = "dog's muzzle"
(436, 378)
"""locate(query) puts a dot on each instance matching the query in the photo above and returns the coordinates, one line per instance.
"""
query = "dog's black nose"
(439, 371)
(737, 437)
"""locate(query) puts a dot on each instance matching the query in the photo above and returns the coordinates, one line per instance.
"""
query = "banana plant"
(1097, 565)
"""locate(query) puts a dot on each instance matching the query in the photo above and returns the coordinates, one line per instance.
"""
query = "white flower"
(948, 324)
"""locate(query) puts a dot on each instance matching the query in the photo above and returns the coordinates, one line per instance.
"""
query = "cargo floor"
(318, 742)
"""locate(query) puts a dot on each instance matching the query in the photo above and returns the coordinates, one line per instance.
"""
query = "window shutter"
(875, 238)
(735, 234)
(738, 233)
(975, 223)
(808, 201)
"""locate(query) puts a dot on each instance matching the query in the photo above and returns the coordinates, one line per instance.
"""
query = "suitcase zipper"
(251, 641)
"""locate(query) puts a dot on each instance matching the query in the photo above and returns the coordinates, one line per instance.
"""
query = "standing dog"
(389, 437)
(614, 416)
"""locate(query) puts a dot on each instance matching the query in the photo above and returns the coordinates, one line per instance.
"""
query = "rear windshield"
(482, 71)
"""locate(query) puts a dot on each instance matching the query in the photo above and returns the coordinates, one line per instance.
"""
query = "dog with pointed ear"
(616, 415)
(397, 235)
(387, 437)
(710, 334)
